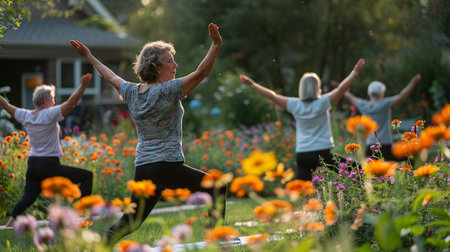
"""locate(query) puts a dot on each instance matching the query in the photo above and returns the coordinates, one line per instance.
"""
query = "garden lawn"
(238, 210)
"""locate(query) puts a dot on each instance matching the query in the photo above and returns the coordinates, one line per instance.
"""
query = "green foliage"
(98, 22)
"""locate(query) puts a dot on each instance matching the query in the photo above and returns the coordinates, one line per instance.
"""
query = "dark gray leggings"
(40, 168)
(170, 175)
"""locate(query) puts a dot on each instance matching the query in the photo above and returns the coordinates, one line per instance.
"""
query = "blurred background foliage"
(275, 42)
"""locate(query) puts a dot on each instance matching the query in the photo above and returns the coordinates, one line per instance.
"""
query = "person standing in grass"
(379, 109)
(41, 125)
(157, 111)
(311, 112)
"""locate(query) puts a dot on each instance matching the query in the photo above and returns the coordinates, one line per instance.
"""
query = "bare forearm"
(268, 93)
(11, 109)
(343, 87)
(205, 67)
(76, 96)
(103, 70)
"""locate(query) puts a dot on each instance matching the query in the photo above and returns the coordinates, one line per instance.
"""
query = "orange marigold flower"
(68, 138)
(433, 134)
(60, 186)
(4, 166)
(266, 138)
(241, 185)
(315, 226)
(409, 137)
(19, 156)
(11, 175)
(85, 223)
(352, 147)
(88, 202)
(279, 174)
(357, 223)
(94, 157)
(265, 212)
(205, 157)
(191, 220)
(16, 139)
(361, 124)
(8, 139)
(255, 239)
(443, 116)
(15, 133)
(229, 134)
(123, 245)
(143, 188)
(330, 213)
(380, 168)
(221, 233)
(215, 178)
(278, 123)
(426, 170)
(313, 205)
(229, 163)
(419, 123)
(22, 133)
(406, 167)
(1, 162)
(396, 123)
(298, 188)
(177, 194)
(426, 199)
(406, 149)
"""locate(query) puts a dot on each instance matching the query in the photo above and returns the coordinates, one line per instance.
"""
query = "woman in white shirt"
(41, 125)
(311, 113)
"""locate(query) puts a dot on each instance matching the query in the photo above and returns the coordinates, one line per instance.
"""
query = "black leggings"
(170, 175)
(307, 162)
(40, 168)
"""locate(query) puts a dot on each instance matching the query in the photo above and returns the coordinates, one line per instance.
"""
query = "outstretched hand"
(80, 48)
(86, 79)
(214, 34)
(416, 78)
(245, 79)
(359, 65)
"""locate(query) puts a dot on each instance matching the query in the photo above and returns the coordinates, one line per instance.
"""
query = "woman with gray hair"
(311, 113)
(156, 110)
(379, 109)
(41, 125)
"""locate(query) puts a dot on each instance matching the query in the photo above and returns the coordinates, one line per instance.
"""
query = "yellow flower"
(60, 186)
(380, 168)
(241, 185)
(143, 188)
(352, 147)
(88, 202)
(280, 174)
(426, 170)
(361, 124)
(221, 233)
(258, 163)
(330, 213)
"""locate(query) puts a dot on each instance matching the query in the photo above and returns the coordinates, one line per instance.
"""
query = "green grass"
(157, 225)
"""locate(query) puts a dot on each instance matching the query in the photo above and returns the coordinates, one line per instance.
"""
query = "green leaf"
(440, 213)
(364, 248)
(306, 244)
(405, 221)
(386, 233)
(440, 243)
(417, 230)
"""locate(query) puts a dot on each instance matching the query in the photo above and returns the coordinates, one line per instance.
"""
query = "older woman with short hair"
(311, 114)
(41, 125)
(155, 106)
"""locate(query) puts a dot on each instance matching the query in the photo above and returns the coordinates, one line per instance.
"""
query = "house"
(40, 52)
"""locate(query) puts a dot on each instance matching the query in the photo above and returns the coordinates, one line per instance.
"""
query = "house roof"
(57, 32)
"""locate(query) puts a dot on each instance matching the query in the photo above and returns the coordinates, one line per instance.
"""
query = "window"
(68, 79)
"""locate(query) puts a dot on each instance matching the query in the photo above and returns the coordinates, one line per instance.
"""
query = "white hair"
(43, 93)
(309, 87)
(376, 89)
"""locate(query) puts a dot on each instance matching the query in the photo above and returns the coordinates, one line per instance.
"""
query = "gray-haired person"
(41, 125)
(156, 110)
(379, 108)
(311, 111)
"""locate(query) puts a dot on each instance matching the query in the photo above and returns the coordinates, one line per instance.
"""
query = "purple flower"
(372, 147)
(348, 159)
(369, 159)
(340, 187)
(25, 224)
(139, 248)
(107, 211)
(76, 130)
(44, 236)
(199, 198)
(342, 165)
(63, 217)
(182, 232)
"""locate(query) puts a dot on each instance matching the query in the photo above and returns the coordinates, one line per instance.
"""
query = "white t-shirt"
(380, 112)
(43, 130)
(312, 119)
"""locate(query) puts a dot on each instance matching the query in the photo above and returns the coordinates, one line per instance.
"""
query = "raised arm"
(72, 102)
(4, 104)
(268, 93)
(353, 99)
(337, 93)
(104, 71)
(192, 80)
(399, 98)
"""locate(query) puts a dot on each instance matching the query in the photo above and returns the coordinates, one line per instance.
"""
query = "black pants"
(164, 175)
(307, 162)
(40, 168)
